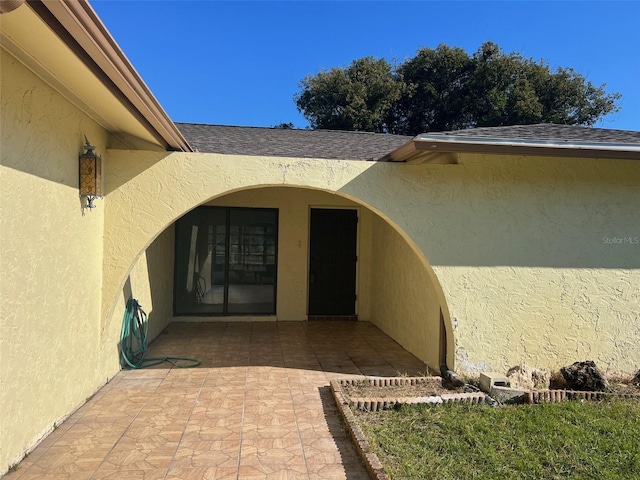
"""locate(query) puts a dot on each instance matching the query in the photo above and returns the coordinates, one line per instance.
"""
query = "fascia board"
(100, 52)
(425, 148)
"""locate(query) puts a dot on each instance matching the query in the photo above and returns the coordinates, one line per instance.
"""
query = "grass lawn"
(458, 441)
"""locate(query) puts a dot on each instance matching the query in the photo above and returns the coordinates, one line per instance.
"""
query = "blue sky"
(240, 62)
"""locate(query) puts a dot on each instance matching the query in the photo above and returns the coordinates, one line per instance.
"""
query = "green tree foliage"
(285, 126)
(436, 94)
(447, 89)
(359, 97)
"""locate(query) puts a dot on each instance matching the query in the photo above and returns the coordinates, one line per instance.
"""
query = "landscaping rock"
(524, 376)
(584, 376)
(450, 379)
(508, 395)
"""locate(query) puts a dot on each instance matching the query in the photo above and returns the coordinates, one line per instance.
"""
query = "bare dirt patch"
(432, 386)
(623, 387)
(424, 388)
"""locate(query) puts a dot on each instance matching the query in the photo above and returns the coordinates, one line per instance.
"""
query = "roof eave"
(77, 24)
(435, 148)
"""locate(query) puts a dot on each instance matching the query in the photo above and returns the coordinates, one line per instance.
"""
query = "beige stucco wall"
(526, 254)
(517, 245)
(406, 304)
(151, 283)
(50, 262)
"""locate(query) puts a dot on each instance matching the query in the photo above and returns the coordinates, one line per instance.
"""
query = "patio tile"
(91, 434)
(140, 455)
(68, 459)
(207, 473)
(45, 475)
(259, 407)
(129, 474)
(255, 455)
(197, 432)
(205, 454)
(257, 470)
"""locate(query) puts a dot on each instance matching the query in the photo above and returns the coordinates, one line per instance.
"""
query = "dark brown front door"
(332, 265)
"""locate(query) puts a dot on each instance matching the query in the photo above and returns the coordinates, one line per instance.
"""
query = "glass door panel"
(226, 261)
(251, 267)
(199, 285)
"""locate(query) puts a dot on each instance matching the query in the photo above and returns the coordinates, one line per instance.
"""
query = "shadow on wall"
(150, 282)
(512, 211)
(118, 173)
(126, 296)
(64, 172)
(159, 262)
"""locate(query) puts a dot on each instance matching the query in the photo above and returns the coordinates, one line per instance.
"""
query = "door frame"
(357, 252)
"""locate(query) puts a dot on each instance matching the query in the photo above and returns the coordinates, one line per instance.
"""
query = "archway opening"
(395, 288)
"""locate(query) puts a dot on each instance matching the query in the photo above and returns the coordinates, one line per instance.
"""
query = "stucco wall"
(50, 262)
(405, 305)
(525, 251)
(518, 245)
(151, 283)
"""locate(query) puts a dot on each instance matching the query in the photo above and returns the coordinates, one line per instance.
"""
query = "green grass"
(550, 441)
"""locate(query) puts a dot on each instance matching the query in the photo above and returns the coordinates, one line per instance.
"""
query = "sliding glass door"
(226, 261)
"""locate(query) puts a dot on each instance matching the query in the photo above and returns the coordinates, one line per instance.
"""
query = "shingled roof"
(281, 142)
(551, 132)
(342, 145)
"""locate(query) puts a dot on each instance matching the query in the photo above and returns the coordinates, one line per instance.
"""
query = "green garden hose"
(134, 338)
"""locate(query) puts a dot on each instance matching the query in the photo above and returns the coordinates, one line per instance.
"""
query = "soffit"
(25, 35)
(445, 148)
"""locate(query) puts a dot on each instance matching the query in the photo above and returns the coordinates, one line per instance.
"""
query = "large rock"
(524, 376)
(584, 376)
(635, 381)
(450, 379)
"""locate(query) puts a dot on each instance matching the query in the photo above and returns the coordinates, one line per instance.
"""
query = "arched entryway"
(395, 288)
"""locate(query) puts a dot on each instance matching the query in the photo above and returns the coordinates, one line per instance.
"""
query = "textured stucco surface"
(406, 305)
(519, 247)
(179, 183)
(544, 316)
(151, 283)
(50, 262)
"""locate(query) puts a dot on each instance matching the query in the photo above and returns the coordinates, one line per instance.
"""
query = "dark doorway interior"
(332, 265)
(226, 261)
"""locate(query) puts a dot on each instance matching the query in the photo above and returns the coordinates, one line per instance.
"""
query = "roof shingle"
(279, 142)
(551, 132)
(343, 145)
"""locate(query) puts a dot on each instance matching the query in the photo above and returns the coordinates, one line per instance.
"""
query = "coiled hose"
(134, 338)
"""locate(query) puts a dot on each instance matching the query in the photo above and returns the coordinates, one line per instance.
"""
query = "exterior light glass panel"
(90, 175)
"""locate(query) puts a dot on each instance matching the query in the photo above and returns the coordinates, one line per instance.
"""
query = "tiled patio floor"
(258, 407)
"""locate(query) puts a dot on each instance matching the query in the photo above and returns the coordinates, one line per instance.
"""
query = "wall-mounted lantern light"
(90, 175)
